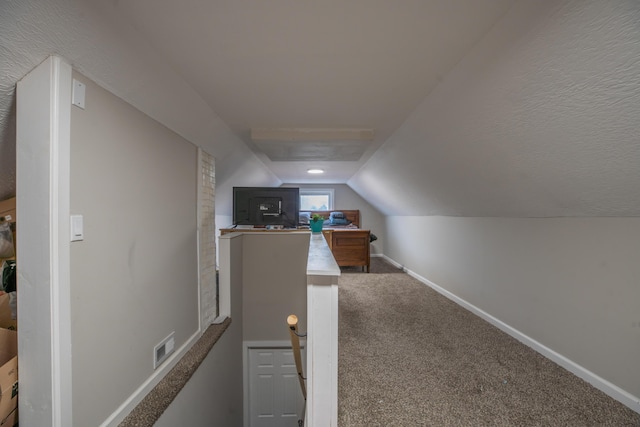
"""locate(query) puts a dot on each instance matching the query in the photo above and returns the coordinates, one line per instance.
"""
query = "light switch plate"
(77, 228)
(77, 94)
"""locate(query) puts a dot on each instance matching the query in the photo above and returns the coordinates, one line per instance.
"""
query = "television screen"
(264, 206)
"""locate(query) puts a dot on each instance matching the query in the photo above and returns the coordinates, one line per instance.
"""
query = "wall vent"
(162, 350)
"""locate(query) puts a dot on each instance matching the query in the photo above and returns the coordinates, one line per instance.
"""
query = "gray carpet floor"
(411, 357)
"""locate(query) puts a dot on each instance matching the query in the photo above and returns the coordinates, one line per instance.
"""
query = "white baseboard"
(622, 396)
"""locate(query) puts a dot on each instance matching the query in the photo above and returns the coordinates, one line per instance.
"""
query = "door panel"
(275, 399)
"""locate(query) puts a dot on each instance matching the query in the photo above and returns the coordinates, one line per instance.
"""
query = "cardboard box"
(10, 420)
(6, 321)
(8, 377)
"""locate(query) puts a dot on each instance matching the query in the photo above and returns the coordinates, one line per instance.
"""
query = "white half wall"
(274, 284)
(570, 284)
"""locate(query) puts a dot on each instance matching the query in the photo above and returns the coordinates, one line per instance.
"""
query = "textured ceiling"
(480, 107)
(541, 119)
(317, 64)
(111, 53)
(282, 63)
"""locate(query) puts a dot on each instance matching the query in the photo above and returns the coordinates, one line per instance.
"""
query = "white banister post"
(322, 335)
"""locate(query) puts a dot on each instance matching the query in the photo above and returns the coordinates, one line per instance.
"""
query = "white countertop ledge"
(322, 268)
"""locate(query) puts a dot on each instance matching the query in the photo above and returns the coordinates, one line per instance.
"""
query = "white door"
(275, 398)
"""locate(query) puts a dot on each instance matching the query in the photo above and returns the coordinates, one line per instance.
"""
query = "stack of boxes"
(8, 337)
(8, 378)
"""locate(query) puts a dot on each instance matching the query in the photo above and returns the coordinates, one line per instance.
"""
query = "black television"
(266, 206)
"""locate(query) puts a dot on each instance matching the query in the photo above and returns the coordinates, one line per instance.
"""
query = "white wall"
(570, 284)
(134, 277)
(270, 292)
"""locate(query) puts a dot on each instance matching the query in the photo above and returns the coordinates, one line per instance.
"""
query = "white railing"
(322, 335)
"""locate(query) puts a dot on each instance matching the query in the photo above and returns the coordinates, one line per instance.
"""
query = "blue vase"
(316, 226)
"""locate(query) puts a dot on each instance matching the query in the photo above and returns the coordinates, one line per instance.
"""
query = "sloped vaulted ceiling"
(254, 63)
(313, 64)
(480, 107)
(541, 119)
(112, 53)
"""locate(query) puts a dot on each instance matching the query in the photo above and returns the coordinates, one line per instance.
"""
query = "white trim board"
(42, 184)
(622, 396)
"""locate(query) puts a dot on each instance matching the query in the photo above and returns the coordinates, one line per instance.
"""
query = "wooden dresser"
(350, 247)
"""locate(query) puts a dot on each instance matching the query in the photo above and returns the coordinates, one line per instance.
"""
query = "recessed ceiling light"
(315, 171)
